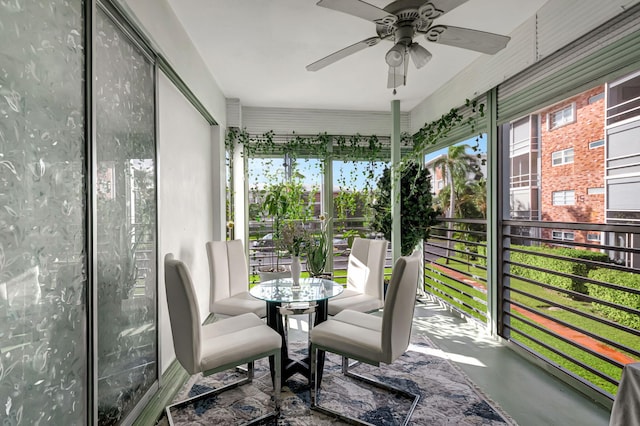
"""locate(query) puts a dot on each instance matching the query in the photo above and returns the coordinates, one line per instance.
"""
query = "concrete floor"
(525, 391)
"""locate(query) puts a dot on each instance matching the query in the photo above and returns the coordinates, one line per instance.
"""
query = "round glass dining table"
(280, 292)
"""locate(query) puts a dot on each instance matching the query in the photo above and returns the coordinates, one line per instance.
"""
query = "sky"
(345, 174)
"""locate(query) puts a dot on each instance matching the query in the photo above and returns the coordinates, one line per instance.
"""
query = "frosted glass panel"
(126, 221)
(43, 370)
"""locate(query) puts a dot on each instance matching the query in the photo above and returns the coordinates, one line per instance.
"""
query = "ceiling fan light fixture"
(419, 55)
(395, 55)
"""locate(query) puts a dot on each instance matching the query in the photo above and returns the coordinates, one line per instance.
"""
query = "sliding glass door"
(125, 188)
(43, 311)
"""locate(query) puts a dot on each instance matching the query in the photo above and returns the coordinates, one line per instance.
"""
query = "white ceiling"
(257, 51)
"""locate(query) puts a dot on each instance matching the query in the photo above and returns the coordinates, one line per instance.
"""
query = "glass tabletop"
(281, 290)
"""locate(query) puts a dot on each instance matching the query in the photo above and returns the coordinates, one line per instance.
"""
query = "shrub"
(621, 297)
(565, 266)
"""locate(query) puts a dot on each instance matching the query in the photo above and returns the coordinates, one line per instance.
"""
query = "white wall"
(160, 24)
(314, 121)
(185, 199)
(557, 23)
(191, 154)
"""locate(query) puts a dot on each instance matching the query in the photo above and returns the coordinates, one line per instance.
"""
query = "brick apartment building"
(572, 162)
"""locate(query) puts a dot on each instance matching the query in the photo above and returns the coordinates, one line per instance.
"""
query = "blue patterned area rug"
(447, 397)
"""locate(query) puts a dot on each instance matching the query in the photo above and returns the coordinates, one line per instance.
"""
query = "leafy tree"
(417, 213)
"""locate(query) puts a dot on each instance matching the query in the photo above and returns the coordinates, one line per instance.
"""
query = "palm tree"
(455, 166)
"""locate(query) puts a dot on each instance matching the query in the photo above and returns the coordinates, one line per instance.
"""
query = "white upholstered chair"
(230, 280)
(365, 278)
(370, 338)
(218, 346)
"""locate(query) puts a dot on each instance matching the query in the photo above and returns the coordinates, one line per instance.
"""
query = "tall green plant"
(415, 203)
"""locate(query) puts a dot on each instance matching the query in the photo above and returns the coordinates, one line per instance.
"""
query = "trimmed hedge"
(626, 279)
(565, 266)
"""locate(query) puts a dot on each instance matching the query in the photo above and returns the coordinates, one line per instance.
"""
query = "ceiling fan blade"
(360, 9)
(466, 38)
(343, 53)
(447, 5)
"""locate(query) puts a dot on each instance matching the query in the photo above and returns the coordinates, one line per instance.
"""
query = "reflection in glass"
(43, 366)
(125, 215)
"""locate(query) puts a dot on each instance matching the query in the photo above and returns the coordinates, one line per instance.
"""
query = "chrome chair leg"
(345, 369)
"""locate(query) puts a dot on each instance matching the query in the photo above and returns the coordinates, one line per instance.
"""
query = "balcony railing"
(573, 303)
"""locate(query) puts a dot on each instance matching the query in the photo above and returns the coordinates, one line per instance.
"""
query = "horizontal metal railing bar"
(574, 243)
(454, 250)
(461, 231)
(459, 220)
(567, 340)
(573, 259)
(580, 226)
(563, 355)
(579, 313)
(457, 309)
(465, 273)
(582, 296)
(474, 243)
(457, 290)
(431, 244)
(575, 277)
(454, 299)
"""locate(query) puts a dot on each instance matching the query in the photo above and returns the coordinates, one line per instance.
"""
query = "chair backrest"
(397, 316)
(228, 269)
(365, 270)
(183, 313)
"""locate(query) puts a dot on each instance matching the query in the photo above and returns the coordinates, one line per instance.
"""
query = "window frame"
(565, 192)
(563, 157)
(563, 235)
(552, 125)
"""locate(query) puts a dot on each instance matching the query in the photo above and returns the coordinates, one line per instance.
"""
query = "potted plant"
(318, 249)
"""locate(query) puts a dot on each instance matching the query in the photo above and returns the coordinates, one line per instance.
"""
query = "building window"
(562, 157)
(593, 236)
(596, 144)
(563, 235)
(595, 191)
(595, 98)
(564, 198)
(562, 117)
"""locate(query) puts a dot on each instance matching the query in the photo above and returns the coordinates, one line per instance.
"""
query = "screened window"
(562, 157)
(564, 198)
(562, 117)
(624, 99)
(593, 236)
(596, 144)
(563, 235)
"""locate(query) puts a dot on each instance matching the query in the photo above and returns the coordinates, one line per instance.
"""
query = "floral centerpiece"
(294, 237)
(318, 249)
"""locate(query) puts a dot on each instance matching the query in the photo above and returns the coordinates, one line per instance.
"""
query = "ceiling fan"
(400, 22)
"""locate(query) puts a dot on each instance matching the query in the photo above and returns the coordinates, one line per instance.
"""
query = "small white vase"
(295, 270)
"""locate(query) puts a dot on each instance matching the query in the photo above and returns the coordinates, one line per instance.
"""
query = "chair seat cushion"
(357, 342)
(239, 304)
(231, 339)
(360, 319)
(355, 301)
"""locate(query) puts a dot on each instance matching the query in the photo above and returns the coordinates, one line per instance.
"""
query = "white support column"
(240, 197)
(218, 183)
(395, 181)
(493, 215)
